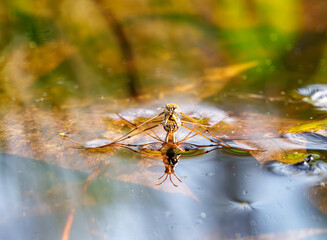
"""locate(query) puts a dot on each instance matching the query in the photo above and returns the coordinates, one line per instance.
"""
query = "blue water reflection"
(237, 198)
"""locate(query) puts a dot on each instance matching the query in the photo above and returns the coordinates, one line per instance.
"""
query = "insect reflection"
(170, 160)
(169, 153)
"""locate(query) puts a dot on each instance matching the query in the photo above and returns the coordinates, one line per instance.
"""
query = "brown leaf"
(216, 78)
(318, 197)
(221, 73)
(37, 133)
(310, 126)
(275, 149)
(34, 133)
(213, 81)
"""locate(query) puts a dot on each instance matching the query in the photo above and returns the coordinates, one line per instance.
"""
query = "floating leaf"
(313, 126)
(295, 157)
(275, 149)
(318, 197)
(212, 82)
(216, 78)
(43, 135)
(221, 73)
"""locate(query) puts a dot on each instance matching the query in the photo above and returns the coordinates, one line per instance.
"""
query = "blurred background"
(145, 49)
(65, 66)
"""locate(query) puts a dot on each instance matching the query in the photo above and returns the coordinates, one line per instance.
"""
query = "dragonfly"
(170, 149)
(172, 119)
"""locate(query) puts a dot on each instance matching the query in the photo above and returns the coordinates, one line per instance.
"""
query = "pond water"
(235, 198)
(255, 71)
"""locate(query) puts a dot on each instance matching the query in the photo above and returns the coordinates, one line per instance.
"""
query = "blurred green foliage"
(128, 48)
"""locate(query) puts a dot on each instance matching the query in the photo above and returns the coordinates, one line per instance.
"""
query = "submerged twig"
(125, 47)
(68, 225)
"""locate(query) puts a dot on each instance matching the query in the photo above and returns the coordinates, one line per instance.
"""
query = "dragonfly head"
(171, 109)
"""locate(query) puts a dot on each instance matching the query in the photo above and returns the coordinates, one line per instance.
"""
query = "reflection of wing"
(188, 149)
(135, 116)
(204, 114)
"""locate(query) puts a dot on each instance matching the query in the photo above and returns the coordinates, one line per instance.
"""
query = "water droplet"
(203, 215)
(63, 134)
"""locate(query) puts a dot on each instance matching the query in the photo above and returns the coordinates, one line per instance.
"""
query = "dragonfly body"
(171, 121)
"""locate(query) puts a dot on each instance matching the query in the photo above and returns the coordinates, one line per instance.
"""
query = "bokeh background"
(67, 49)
